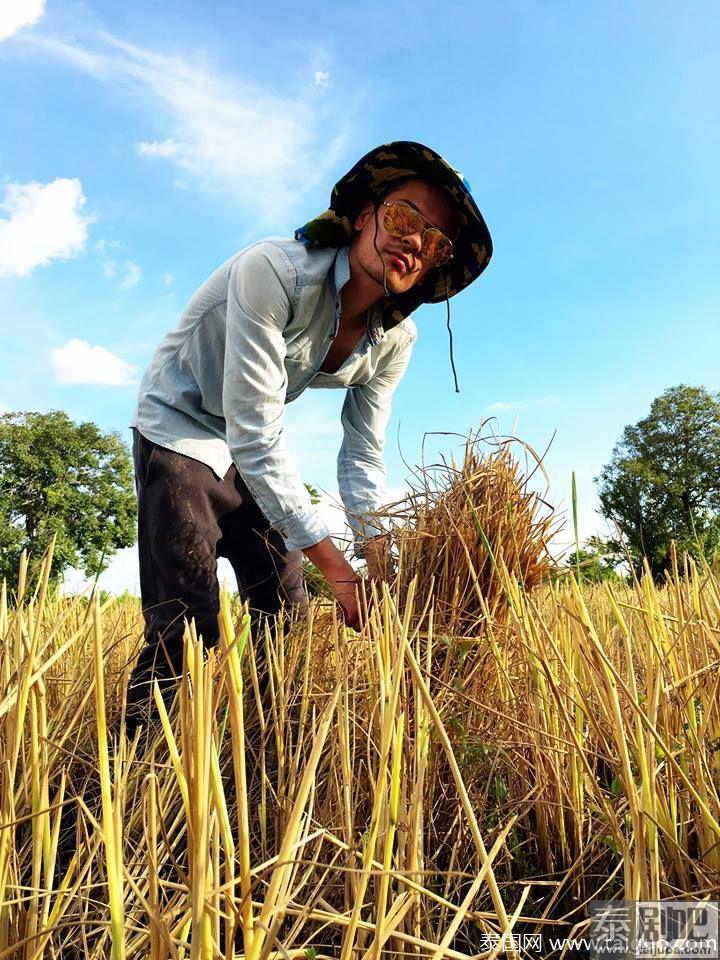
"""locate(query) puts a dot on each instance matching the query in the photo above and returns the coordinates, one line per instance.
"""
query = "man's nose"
(414, 241)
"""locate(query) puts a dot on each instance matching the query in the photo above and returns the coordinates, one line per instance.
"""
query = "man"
(329, 308)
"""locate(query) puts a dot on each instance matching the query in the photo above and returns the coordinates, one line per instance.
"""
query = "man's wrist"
(325, 555)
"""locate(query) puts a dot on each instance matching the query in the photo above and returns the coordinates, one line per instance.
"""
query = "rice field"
(495, 749)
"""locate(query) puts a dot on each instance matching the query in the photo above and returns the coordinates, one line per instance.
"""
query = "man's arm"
(361, 464)
(254, 389)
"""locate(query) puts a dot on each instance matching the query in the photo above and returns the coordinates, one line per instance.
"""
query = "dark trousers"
(187, 518)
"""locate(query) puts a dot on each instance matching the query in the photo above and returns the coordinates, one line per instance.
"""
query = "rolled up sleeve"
(254, 389)
(361, 465)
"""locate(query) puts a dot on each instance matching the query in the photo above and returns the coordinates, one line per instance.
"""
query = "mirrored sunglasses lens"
(401, 221)
(436, 247)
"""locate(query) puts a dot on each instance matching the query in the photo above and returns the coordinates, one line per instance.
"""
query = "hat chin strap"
(450, 335)
(382, 259)
(447, 298)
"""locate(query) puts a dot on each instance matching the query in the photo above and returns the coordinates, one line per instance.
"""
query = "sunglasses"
(402, 220)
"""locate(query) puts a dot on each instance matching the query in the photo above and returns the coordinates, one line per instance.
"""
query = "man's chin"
(397, 282)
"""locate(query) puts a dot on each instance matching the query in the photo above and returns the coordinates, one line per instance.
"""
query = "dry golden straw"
(492, 751)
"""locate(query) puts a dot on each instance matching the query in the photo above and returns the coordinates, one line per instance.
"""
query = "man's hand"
(340, 576)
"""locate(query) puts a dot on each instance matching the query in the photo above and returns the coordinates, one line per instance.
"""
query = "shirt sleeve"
(259, 306)
(361, 464)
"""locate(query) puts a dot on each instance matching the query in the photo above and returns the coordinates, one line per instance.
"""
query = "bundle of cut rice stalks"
(465, 530)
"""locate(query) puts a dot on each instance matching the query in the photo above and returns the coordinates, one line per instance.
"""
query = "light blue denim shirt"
(251, 339)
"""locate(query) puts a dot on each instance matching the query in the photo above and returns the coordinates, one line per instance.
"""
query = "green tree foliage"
(663, 480)
(314, 495)
(596, 560)
(315, 583)
(63, 479)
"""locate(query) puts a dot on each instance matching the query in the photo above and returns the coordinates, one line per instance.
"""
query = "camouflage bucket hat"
(368, 180)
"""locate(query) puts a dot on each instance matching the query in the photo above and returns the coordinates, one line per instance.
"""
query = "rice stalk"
(400, 791)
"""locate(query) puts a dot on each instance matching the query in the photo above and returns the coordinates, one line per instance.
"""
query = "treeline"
(661, 485)
(74, 483)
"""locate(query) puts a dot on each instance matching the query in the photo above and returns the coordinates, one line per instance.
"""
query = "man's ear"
(362, 218)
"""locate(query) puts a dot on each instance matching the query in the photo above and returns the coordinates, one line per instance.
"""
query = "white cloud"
(168, 279)
(78, 362)
(105, 246)
(322, 78)
(44, 223)
(156, 148)
(126, 272)
(219, 131)
(131, 275)
(502, 406)
(16, 14)
(123, 573)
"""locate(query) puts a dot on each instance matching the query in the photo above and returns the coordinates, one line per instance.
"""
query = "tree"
(663, 480)
(314, 494)
(597, 560)
(62, 479)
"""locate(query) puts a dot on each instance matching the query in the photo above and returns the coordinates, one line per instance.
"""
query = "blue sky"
(143, 144)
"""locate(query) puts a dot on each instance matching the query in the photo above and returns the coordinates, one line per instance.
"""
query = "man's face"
(402, 255)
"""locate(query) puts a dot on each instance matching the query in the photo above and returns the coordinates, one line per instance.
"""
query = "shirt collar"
(339, 276)
(375, 328)
(340, 273)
